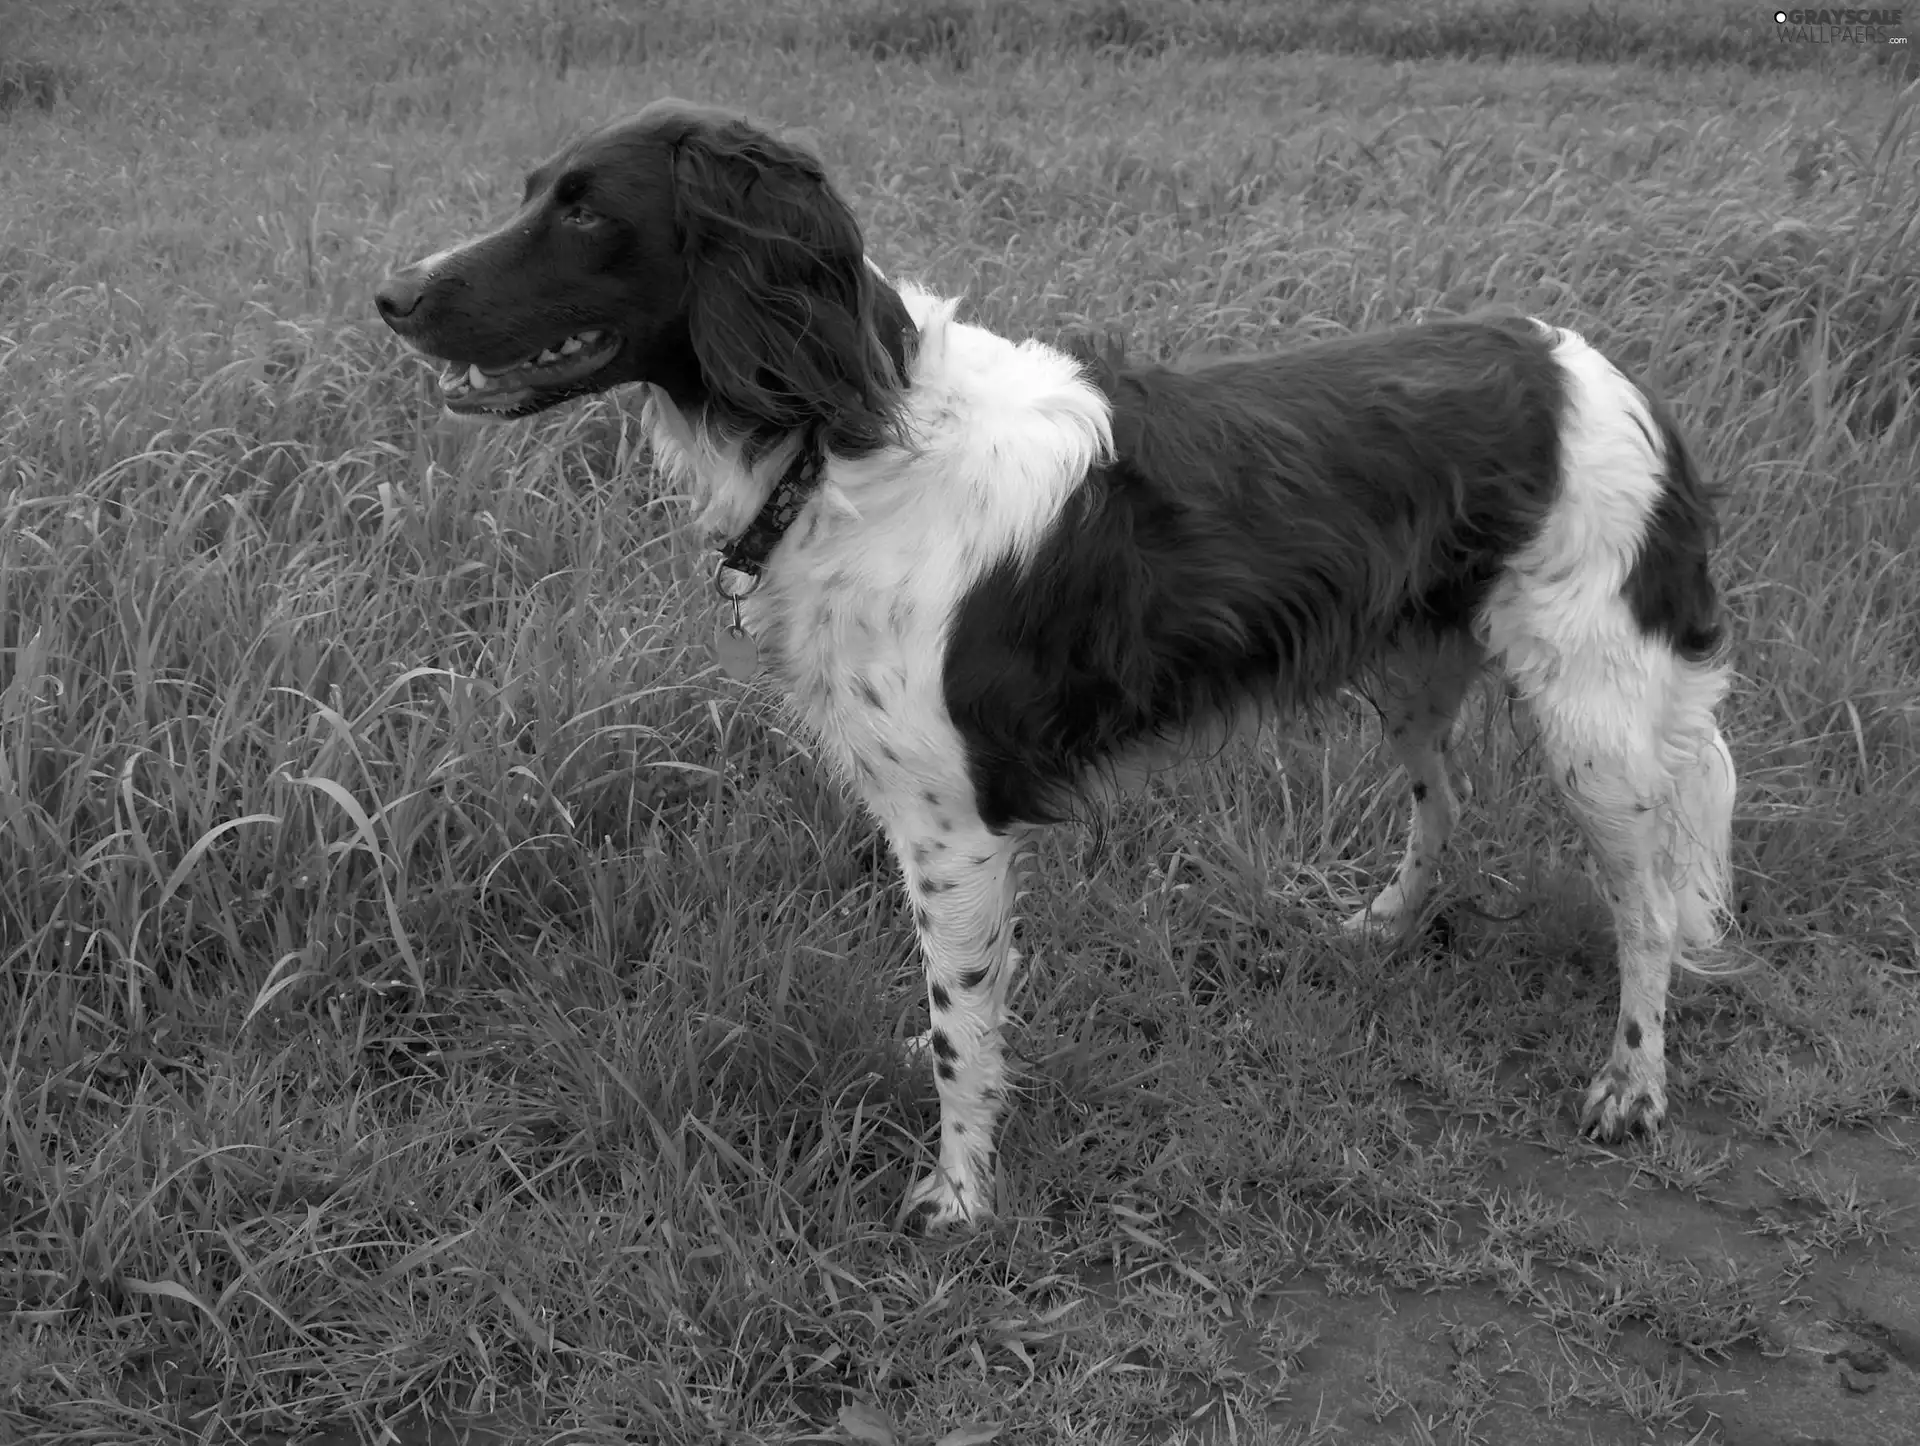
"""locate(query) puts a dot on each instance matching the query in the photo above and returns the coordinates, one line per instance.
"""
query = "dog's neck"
(748, 552)
(734, 481)
(749, 487)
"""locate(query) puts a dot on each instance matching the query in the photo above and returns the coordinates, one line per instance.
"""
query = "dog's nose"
(398, 297)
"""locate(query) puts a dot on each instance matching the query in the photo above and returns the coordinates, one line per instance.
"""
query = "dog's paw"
(1381, 920)
(938, 1205)
(1621, 1102)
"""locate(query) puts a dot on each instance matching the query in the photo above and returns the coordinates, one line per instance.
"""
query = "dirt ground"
(1841, 1360)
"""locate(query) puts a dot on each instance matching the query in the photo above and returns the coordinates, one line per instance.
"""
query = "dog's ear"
(793, 330)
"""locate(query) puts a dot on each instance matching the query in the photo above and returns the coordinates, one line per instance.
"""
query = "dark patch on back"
(943, 1047)
(1267, 528)
(1632, 1032)
(972, 978)
(1670, 589)
(937, 996)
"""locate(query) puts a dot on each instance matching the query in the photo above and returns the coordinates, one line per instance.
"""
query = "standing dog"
(990, 576)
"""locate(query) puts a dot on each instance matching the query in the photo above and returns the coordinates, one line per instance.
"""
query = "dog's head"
(682, 247)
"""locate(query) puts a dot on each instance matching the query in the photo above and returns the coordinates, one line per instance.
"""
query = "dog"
(994, 577)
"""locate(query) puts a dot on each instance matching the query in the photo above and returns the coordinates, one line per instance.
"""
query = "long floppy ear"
(793, 330)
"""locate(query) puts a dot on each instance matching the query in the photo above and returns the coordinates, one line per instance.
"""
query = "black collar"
(747, 553)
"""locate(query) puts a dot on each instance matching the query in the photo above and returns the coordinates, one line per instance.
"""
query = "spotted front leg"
(961, 878)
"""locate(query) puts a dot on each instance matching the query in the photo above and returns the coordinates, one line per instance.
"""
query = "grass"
(429, 988)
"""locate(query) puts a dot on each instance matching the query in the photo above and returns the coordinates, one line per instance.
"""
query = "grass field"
(432, 993)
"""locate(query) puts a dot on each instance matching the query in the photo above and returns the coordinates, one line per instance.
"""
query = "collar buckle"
(733, 582)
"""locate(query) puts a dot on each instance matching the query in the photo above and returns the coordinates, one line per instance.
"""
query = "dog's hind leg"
(1419, 691)
(1704, 782)
(1608, 625)
(1645, 771)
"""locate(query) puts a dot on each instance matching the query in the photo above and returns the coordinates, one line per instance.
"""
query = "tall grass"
(379, 42)
(427, 983)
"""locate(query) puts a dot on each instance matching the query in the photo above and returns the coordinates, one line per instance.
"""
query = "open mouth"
(528, 385)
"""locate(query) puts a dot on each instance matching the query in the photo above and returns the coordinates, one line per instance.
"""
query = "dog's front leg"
(961, 878)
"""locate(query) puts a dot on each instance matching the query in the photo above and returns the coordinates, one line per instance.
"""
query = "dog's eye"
(580, 216)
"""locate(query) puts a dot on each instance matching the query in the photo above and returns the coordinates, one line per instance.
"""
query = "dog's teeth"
(588, 338)
(476, 378)
(571, 345)
(547, 358)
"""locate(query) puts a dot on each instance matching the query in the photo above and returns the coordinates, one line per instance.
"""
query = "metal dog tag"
(738, 653)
